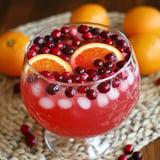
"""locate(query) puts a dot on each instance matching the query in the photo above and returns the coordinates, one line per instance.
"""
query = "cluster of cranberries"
(64, 42)
(30, 139)
(129, 154)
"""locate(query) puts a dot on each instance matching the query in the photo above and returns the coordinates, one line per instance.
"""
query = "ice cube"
(130, 78)
(124, 85)
(36, 87)
(113, 94)
(64, 103)
(46, 103)
(84, 102)
(102, 100)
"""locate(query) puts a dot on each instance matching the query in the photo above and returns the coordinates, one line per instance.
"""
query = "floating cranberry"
(88, 35)
(67, 79)
(108, 41)
(75, 77)
(16, 88)
(80, 70)
(137, 155)
(70, 92)
(108, 64)
(83, 89)
(111, 57)
(59, 45)
(73, 32)
(46, 73)
(115, 82)
(91, 94)
(84, 76)
(35, 48)
(56, 33)
(68, 50)
(48, 38)
(65, 37)
(31, 140)
(96, 31)
(49, 44)
(129, 149)
(104, 87)
(65, 57)
(123, 157)
(83, 28)
(91, 71)
(104, 70)
(120, 64)
(31, 53)
(39, 41)
(65, 29)
(76, 42)
(56, 51)
(52, 88)
(58, 76)
(66, 74)
(98, 63)
(93, 77)
(122, 43)
(105, 34)
(45, 50)
(25, 129)
(115, 37)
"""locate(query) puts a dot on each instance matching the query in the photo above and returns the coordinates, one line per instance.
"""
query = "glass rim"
(85, 83)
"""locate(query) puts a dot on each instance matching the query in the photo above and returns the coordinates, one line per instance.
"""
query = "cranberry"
(66, 74)
(83, 89)
(108, 41)
(80, 70)
(96, 31)
(75, 77)
(65, 57)
(108, 64)
(56, 51)
(83, 28)
(120, 64)
(31, 140)
(48, 38)
(31, 53)
(65, 37)
(137, 155)
(88, 35)
(115, 37)
(129, 149)
(111, 57)
(39, 41)
(93, 77)
(45, 50)
(98, 63)
(76, 42)
(73, 32)
(58, 76)
(35, 48)
(25, 129)
(70, 92)
(56, 33)
(68, 50)
(59, 45)
(121, 43)
(104, 87)
(123, 75)
(46, 73)
(65, 29)
(91, 94)
(16, 88)
(91, 71)
(123, 157)
(52, 88)
(104, 70)
(84, 76)
(49, 44)
(67, 79)
(115, 82)
(105, 34)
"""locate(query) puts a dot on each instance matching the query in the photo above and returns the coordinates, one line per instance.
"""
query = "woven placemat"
(140, 128)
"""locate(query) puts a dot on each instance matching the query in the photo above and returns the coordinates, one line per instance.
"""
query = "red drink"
(104, 103)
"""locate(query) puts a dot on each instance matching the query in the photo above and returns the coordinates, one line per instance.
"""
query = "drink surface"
(90, 98)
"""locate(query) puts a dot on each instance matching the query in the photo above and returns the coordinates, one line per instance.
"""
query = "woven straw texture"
(140, 128)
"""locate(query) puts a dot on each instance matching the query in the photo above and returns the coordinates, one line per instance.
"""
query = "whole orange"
(12, 51)
(147, 50)
(142, 19)
(90, 12)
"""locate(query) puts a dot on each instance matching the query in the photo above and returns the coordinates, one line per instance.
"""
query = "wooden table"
(17, 12)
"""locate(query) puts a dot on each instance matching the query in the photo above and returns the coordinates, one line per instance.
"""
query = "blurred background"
(17, 12)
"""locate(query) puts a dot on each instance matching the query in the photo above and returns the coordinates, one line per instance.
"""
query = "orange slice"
(88, 53)
(49, 62)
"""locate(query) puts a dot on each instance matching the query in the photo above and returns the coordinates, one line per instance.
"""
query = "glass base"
(81, 148)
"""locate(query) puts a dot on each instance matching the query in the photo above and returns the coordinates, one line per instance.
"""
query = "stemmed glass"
(80, 125)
